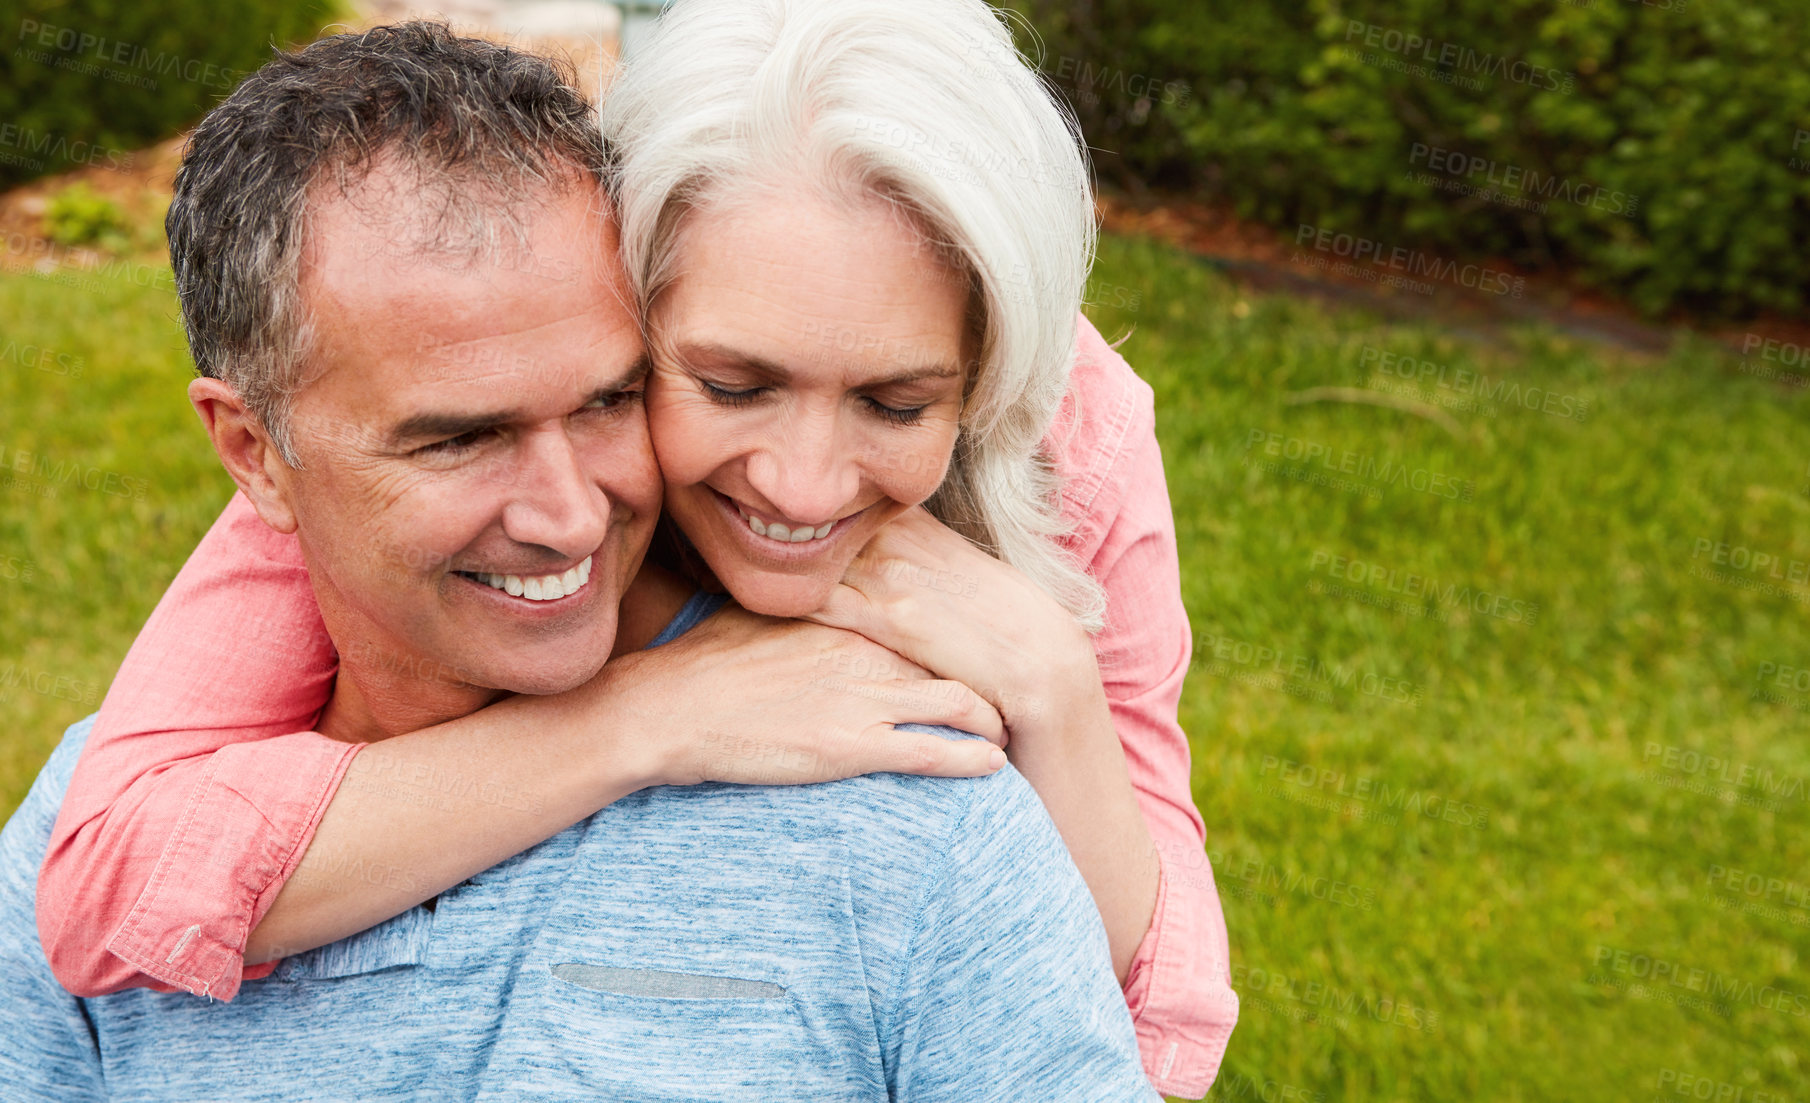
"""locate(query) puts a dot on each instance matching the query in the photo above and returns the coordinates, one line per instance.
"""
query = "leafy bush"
(78, 216)
(83, 82)
(1659, 149)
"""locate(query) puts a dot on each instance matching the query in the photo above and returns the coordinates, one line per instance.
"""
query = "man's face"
(476, 485)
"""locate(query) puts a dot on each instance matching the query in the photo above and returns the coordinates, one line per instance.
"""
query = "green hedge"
(1667, 141)
(86, 82)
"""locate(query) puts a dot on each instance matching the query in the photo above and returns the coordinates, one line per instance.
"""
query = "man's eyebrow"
(721, 356)
(437, 425)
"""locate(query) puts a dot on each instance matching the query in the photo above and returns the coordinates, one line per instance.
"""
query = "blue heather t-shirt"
(885, 937)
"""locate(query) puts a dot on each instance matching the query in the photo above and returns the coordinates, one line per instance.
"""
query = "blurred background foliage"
(1356, 116)
(1696, 112)
(84, 82)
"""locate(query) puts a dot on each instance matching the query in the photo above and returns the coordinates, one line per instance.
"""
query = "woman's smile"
(766, 535)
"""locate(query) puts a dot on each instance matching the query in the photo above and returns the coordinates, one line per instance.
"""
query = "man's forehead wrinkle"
(350, 281)
(408, 211)
(526, 329)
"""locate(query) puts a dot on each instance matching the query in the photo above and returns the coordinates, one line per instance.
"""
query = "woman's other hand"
(755, 700)
(924, 591)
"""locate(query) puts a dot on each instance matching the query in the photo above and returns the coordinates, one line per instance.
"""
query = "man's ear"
(245, 450)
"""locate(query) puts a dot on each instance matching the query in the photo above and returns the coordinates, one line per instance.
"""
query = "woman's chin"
(778, 596)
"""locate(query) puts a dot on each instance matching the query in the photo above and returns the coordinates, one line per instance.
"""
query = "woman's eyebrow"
(941, 369)
(721, 356)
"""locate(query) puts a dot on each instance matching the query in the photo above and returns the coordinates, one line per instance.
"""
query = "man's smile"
(544, 587)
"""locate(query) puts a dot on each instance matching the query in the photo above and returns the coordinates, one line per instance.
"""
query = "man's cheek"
(627, 471)
(404, 533)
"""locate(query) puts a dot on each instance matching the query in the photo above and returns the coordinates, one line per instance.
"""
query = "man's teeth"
(781, 533)
(549, 587)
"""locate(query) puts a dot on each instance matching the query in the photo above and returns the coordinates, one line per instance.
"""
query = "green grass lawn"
(1487, 744)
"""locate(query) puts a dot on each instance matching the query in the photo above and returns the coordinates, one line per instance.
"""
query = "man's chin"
(541, 668)
(542, 681)
(515, 658)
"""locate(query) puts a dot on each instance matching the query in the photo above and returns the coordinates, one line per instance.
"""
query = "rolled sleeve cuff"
(237, 842)
(1179, 985)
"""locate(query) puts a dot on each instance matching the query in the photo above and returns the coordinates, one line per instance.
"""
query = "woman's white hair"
(925, 104)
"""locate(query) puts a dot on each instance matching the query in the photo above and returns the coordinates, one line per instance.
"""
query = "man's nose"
(555, 502)
(805, 470)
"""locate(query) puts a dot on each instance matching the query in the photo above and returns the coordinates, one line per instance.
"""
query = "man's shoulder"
(60, 766)
(905, 815)
(877, 851)
(22, 846)
(51, 1051)
(30, 825)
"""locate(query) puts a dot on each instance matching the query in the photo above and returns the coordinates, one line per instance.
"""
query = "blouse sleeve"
(1117, 502)
(201, 785)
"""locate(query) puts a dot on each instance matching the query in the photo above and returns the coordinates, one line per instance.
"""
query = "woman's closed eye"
(726, 396)
(906, 415)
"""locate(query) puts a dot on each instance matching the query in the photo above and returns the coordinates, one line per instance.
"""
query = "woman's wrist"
(1065, 744)
(605, 726)
(1056, 680)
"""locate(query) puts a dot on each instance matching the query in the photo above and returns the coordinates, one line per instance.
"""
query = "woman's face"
(809, 364)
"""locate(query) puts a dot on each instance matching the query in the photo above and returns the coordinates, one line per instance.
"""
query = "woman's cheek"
(683, 435)
(924, 486)
(917, 468)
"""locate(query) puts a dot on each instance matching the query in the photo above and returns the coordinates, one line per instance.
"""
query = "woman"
(858, 232)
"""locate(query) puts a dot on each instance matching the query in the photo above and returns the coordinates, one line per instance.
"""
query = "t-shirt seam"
(931, 884)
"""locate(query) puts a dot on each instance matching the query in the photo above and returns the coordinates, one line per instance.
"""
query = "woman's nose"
(805, 471)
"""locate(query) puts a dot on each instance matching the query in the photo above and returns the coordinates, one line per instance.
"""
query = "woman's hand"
(760, 701)
(924, 591)
(928, 594)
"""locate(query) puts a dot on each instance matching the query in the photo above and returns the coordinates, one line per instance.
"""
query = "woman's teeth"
(781, 533)
(549, 587)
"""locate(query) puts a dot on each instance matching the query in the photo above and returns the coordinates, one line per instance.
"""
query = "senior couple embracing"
(699, 620)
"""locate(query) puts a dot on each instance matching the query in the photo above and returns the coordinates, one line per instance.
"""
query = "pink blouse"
(201, 785)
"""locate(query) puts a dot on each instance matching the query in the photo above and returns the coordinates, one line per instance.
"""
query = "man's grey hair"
(482, 130)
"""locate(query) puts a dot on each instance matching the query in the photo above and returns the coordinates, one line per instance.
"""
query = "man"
(883, 937)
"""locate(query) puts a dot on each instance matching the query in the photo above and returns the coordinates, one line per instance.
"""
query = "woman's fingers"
(849, 728)
(798, 703)
(844, 608)
(887, 750)
(951, 705)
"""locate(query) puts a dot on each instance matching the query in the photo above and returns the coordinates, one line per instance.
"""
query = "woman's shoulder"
(1106, 413)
